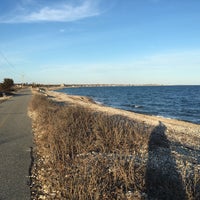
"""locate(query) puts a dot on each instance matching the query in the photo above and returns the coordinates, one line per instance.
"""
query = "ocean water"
(177, 102)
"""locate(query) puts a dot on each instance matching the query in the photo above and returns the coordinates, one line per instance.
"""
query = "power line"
(5, 68)
(11, 69)
(8, 62)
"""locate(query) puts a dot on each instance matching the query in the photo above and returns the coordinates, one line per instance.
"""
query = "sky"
(100, 41)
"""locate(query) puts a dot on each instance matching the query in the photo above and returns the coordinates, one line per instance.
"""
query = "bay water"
(177, 102)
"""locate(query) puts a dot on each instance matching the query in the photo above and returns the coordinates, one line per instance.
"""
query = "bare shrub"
(82, 154)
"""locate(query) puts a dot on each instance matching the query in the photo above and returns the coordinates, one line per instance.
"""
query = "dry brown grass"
(2, 99)
(82, 154)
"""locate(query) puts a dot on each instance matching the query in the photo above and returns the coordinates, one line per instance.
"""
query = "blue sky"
(100, 41)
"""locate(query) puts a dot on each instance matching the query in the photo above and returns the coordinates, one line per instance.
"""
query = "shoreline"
(84, 99)
(182, 128)
(174, 112)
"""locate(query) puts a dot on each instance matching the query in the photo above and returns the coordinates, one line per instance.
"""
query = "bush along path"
(85, 154)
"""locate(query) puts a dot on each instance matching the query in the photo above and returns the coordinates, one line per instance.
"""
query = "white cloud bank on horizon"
(54, 13)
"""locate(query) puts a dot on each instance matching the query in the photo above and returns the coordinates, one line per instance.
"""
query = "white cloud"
(55, 13)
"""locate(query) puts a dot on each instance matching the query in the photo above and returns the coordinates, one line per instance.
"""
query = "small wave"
(138, 106)
(98, 102)
(133, 105)
(165, 117)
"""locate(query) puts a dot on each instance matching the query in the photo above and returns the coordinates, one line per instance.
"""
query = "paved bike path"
(15, 145)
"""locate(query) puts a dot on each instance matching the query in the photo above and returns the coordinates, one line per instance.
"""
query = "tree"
(6, 85)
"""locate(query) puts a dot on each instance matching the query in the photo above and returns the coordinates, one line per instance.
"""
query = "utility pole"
(23, 80)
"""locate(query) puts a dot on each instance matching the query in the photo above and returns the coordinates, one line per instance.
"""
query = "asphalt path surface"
(15, 146)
